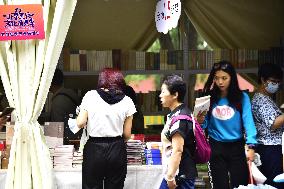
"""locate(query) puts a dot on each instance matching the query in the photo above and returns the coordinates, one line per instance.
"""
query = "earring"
(265, 84)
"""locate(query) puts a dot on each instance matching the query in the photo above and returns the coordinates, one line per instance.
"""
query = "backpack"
(203, 149)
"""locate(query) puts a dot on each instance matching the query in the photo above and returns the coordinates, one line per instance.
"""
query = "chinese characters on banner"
(167, 15)
(21, 22)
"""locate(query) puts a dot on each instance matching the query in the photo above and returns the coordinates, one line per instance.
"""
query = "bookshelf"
(197, 71)
(81, 67)
(129, 72)
(90, 62)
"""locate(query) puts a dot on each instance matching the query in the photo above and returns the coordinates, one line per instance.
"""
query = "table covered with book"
(138, 177)
(144, 169)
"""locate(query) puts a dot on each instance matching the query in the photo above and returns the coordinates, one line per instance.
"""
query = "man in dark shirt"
(64, 101)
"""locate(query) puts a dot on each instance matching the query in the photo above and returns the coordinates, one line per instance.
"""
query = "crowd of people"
(237, 127)
(233, 123)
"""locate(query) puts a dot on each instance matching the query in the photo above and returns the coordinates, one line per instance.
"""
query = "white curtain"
(27, 68)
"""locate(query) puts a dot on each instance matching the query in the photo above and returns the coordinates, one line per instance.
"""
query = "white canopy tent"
(27, 68)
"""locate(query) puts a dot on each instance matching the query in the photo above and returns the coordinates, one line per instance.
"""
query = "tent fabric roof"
(238, 23)
(112, 24)
(130, 25)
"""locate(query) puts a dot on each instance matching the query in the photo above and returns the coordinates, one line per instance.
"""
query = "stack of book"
(63, 156)
(153, 154)
(153, 157)
(135, 152)
(77, 160)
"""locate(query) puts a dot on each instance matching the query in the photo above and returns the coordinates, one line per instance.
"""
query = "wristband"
(251, 146)
(169, 180)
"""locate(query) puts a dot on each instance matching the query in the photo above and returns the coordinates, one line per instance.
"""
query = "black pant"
(272, 165)
(104, 163)
(228, 164)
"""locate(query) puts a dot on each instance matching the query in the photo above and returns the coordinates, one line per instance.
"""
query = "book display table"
(138, 177)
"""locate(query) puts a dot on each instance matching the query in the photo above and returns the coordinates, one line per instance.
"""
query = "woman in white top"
(107, 113)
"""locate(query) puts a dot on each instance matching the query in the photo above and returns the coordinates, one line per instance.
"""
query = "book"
(53, 132)
(201, 104)
(83, 62)
(116, 58)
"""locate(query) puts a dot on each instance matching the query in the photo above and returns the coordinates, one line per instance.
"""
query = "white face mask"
(272, 87)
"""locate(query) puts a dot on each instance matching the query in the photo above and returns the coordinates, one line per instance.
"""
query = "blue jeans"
(185, 184)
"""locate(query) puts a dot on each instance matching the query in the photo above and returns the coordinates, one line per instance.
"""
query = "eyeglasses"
(217, 66)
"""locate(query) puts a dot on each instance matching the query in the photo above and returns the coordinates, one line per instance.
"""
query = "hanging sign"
(21, 22)
(167, 15)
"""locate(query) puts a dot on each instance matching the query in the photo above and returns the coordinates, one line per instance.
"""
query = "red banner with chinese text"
(21, 22)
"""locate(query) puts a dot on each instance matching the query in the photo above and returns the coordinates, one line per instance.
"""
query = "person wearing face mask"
(269, 121)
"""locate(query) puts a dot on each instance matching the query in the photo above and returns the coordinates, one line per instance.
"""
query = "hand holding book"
(200, 117)
(201, 107)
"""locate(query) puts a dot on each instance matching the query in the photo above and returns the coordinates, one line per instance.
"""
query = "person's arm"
(278, 122)
(3, 121)
(82, 119)
(204, 121)
(174, 161)
(127, 128)
(248, 122)
(283, 151)
(269, 115)
(250, 129)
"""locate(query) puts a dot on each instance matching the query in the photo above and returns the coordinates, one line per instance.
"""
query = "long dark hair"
(234, 92)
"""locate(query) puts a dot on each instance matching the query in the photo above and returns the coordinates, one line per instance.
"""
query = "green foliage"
(202, 167)
(202, 44)
(137, 78)
(155, 46)
(174, 33)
